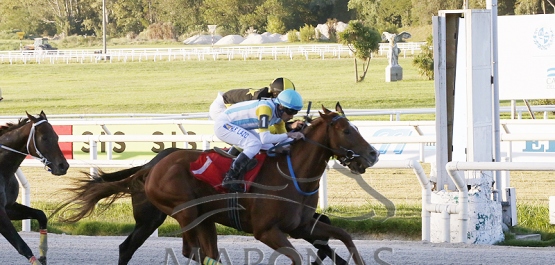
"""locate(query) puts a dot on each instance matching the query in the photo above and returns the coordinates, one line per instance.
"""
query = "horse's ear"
(325, 116)
(42, 114)
(326, 111)
(31, 117)
(339, 109)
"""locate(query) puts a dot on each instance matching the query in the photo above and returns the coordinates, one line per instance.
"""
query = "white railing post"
(25, 197)
(93, 155)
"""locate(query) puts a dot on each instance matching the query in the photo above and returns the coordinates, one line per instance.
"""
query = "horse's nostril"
(64, 166)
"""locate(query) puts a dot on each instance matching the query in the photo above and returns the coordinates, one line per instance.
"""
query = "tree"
(272, 16)
(127, 16)
(424, 61)
(229, 13)
(422, 11)
(362, 41)
(275, 25)
(395, 13)
(527, 7)
(530, 7)
(298, 13)
(331, 9)
(367, 10)
(183, 14)
(15, 14)
(65, 13)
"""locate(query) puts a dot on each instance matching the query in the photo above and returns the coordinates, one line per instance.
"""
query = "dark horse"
(272, 209)
(30, 136)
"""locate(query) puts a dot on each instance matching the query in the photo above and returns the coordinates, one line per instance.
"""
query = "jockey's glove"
(295, 135)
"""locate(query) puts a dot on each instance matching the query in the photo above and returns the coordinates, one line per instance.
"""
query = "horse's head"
(43, 143)
(348, 145)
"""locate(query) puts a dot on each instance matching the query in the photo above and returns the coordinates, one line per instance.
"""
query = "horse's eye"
(346, 131)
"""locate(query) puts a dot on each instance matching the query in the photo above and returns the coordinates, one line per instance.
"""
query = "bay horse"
(277, 206)
(32, 136)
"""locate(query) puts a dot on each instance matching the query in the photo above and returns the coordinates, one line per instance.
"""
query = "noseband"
(40, 157)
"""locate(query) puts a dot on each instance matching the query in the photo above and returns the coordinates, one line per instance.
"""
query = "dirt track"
(65, 249)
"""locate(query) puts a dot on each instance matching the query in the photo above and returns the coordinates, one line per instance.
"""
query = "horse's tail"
(88, 193)
(123, 174)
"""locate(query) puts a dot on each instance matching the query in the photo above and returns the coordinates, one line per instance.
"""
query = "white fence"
(322, 51)
(422, 138)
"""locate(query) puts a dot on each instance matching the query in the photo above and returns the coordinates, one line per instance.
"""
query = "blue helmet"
(290, 99)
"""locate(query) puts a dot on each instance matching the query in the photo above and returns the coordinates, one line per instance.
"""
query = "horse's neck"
(16, 140)
(311, 158)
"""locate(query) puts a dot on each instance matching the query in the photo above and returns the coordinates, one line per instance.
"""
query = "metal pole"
(492, 5)
(103, 26)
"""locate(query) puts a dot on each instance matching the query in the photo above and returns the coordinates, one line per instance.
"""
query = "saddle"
(212, 165)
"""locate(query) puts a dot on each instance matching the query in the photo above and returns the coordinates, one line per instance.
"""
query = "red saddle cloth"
(211, 167)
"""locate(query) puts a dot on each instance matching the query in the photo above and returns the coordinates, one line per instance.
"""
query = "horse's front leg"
(316, 230)
(278, 241)
(324, 250)
(8, 231)
(18, 211)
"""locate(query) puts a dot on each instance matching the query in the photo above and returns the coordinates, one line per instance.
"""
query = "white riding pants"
(248, 140)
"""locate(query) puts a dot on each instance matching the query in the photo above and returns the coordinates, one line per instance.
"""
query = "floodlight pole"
(103, 26)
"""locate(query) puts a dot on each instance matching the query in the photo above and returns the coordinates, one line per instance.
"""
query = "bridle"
(39, 156)
(345, 156)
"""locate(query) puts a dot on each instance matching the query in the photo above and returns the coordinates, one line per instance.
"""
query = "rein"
(348, 156)
(295, 182)
(40, 157)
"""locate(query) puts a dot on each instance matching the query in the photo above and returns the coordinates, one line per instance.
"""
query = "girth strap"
(233, 213)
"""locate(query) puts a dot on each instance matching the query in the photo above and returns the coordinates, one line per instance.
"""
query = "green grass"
(190, 86)
(118, 220)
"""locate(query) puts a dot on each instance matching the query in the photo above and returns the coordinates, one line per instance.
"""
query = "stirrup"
(233, 185)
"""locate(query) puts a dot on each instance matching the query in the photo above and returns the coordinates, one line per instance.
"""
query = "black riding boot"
(235, 173)
(234, 151)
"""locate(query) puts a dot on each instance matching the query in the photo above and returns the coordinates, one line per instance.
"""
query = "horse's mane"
(12, 126)
(314, 122)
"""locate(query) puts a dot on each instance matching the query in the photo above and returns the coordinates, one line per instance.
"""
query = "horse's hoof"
(42, 260)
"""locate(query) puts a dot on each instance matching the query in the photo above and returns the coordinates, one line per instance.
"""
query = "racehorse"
(148, 218)
(279, 204)
(30, 136)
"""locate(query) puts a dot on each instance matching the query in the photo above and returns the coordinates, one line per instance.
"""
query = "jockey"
(238, 124)
(234, 96)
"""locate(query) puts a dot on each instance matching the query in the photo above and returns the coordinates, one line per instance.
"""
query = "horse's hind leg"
(147, 219)
(277, 240)
(200, 241)
(8, 231)
(208, 239)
